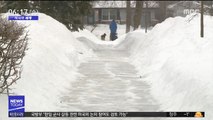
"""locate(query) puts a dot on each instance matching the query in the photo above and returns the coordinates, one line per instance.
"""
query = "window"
(113, 14)
(105, 13)
(109, 14)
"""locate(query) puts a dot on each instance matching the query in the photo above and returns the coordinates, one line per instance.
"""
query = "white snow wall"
(49, 65)
(177, 63)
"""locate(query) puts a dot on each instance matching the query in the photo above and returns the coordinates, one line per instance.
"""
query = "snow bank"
(177, 63)
(49, 65)
(93, 41)
(100, 29)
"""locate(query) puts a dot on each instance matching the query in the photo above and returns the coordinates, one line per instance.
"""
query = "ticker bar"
(112, 114)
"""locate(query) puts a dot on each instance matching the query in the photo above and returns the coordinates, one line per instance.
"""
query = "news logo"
(16, 106)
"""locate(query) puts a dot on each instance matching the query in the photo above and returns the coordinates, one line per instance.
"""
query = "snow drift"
(177, 63)
(93, 39)
(95, 43)
(49, 65)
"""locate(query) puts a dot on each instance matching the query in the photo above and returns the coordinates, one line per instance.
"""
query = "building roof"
(122, 4)
(186, 4)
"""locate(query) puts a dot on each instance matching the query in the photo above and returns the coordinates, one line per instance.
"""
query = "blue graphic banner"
(22, 17)
(16, 106)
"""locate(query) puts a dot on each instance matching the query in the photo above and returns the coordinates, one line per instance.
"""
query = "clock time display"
(22, 11)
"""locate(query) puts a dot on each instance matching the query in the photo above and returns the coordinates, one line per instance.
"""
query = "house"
(105, 11)
(183, 8)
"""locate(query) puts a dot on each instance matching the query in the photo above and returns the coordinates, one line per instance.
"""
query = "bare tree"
(13, 44)
(201, 20)
(128, 16)
(138, 13)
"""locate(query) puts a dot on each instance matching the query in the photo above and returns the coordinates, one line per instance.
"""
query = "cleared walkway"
(109, 83)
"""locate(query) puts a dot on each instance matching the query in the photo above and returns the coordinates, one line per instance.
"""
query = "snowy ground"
(109, 83)
(175, 61)
(100, 29)
(49, 65)
(168, 69)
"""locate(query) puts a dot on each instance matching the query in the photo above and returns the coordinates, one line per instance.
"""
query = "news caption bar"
(107, 114)
(23, 17)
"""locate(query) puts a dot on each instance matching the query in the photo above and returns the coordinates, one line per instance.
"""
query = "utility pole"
(211, 11)
(146, 16)
(128, 16)
(201, 21)
(138, 13)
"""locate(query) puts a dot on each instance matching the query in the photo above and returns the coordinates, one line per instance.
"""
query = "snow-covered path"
(109, 83)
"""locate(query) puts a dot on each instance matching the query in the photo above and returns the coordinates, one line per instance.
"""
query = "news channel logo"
(190, 11)
(16, 106)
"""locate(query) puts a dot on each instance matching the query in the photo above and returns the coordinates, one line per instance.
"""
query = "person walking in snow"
(113, 29)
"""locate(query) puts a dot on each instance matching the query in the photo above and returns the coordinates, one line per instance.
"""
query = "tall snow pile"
(178, 63)
(49, 65)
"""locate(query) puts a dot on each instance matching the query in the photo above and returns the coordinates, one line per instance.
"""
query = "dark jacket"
(113, 26)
